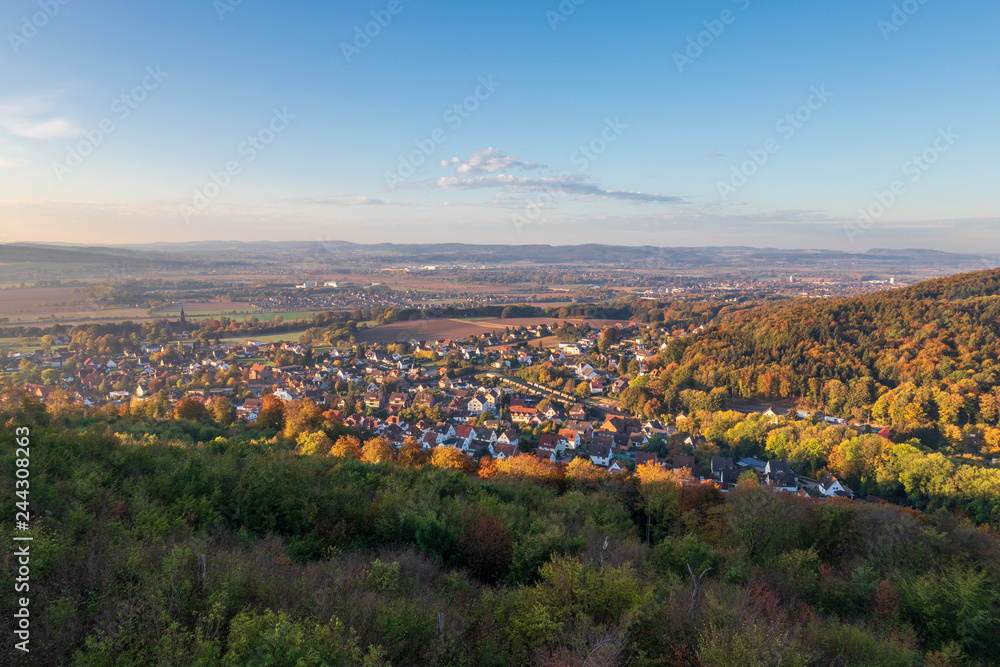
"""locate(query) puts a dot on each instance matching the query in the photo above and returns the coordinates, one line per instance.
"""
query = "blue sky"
(198, 119)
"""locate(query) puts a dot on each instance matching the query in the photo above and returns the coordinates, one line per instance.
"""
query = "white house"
(601, 456)
(831, 487)
(508, 437)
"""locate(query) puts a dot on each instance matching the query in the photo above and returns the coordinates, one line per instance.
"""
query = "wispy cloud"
(33, 117)
(338, 200)
(571, 185)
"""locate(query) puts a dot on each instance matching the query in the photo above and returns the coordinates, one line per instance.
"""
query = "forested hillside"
(347, 557)
(918, 365)
(934, 346)
(934, 335)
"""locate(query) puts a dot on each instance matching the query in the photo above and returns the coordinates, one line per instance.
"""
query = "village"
(518, 391)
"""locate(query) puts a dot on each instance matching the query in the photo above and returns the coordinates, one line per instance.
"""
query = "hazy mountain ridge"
(652, 257)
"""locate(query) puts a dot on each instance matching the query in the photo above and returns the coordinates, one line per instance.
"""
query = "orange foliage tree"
(190, 408)
(487, 468)
(272, 414)
(411, 455)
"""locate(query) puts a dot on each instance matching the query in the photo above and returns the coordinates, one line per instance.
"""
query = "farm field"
(142, 315)
(16, 345)
(283, 337)
(551, 304)
(32, 303)
(234, 310)
(761, 406)
(546, 342)
(65, 305)
(236, 315)
(286, 316)
(442, 284)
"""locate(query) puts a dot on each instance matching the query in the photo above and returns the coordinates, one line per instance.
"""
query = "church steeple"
(183, 321)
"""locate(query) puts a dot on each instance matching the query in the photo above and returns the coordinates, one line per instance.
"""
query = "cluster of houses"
(391, 394)
(313, 295)
(779, 476)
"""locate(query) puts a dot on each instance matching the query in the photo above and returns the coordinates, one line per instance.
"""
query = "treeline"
(907, 472)
(575, 311)
(322, 557)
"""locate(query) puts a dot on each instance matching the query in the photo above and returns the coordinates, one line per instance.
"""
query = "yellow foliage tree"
(316, 442)
(992, 436)
(582, 474)
(660, 493)
(346, 447)
(376, 450)
(526, 466)
(450, 458)
(859, 459)
(301, 417)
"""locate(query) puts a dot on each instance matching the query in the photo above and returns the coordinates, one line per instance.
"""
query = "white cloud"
(33, 117)
(481, 171)
(338, 200)
(487, 161)
(573, 185)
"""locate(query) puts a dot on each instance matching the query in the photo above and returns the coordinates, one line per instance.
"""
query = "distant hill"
(585, 255)
(28, 252)
(952, 288)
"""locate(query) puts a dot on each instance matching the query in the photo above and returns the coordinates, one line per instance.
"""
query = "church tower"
(183, 321)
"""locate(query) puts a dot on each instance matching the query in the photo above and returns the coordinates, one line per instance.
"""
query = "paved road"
(545, 391)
